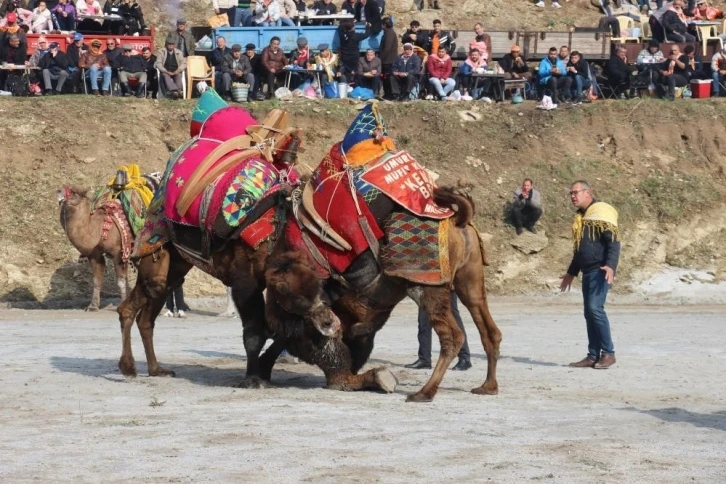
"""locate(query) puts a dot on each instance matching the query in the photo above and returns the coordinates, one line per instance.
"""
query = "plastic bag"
(362, 93)
(330, 89)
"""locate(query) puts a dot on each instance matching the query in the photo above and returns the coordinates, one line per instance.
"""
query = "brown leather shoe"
(606, 361)
(583, 363)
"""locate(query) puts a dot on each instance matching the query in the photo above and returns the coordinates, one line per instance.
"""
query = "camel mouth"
(60, 196)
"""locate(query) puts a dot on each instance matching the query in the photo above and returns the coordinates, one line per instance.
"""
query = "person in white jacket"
(288, 13)
(226, 7)
(267, 14)
(41, 20)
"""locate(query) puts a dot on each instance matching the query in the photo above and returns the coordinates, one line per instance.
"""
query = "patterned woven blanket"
(133, 205)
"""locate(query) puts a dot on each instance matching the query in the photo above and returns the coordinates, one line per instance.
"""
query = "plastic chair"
(161, 94)
(706, 33)
(627, 24)
(198, 70)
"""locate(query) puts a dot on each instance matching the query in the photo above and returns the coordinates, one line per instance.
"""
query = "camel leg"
(121, 269)
(98, 266)
(251, 308)
(146, 321)
(127, 311)
(436, 301)
(269, 357)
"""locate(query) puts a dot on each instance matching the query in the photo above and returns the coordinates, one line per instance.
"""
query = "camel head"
(71, 195)
(295, 295)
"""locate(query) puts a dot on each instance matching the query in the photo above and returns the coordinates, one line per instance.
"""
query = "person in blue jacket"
(553, 75)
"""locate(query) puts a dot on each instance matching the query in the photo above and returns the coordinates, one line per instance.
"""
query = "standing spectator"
(424, 340)
(718, 67)
(555, 4)
(579, 70)
(439, 67)
(675, 23)
(215, 58)
(172, 63)
(514, 66)
(414, 35)
(41, 20)
(175, 305)
(369, 71)
(596, 254)
(472, 64)
(267, 14)
(54, 67)
(237, 68)
(324, 7)
(526, 207)
(274, 62)
(619, 72)
(183, 40)
(152, 79)
(482, 42)
(674, 71)
(40, 50)
(368, 12)
(226, 7)
(132, 66)
(552, 74)
(288, 13)
(406, 73)
(65, 14)
(74, 52)
(256, 66)
(389, 52)
(441, 38)
(350, 47)
(94, 61)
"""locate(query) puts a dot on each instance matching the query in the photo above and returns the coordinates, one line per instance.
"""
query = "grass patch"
(673, 196)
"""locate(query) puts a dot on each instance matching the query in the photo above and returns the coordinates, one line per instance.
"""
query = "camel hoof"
(92, 309)
(127, 369)
(253, 383)
(386, 380)
(486, 390)
(419, 397)
(162, 372)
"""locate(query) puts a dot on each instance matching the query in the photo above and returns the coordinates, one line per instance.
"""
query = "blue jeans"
(242, 17)
(594, 293)
(276, 23)
(445, 89)
(580, 85)
(715, 87)
(93, 76)
(287, 22)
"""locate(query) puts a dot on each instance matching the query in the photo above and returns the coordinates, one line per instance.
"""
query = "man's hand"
(413, 36)
(374, 72)
(609, 274)
(216, 11)
(273, 70)
(238, 73)
(566, 282)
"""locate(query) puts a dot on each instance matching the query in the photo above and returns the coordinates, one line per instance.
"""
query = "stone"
(469, 115)
(529, 243)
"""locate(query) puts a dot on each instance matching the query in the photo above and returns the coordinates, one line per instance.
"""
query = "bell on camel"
(121, 180)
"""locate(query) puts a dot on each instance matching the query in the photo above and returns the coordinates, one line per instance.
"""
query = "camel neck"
(82, 228)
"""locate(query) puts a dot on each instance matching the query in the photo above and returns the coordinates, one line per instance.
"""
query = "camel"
(84, 229)
(364, 310)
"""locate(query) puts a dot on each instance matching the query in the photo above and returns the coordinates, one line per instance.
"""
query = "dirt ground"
(68, 415)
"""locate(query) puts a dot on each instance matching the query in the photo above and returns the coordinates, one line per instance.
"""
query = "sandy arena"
(68, 415)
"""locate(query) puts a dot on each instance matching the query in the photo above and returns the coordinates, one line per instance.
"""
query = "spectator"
(95, 62)
(651, 54)
(414, 35)
(152, 79)
(237, 68)
(619, 72)
(368, 12)
(243, 14)
(300, 58)
(183, 40)
(329, 63)
(555, 4)
(675, 23)
(424, 340)
(131, 66)
(514, 66)
(526, 207)
(65, 15)
(473, 63)
(274, 62)
(718, 68)
(19, 8)
(267, 13)
(388, 53)
(256, 66)
(89, 7)
(74, 52)
(112, 53)
(54, 67)
(439, 67)
(482, 42)
(552, 74)
(215, 58)
(441, 38)
(41, 20)
(12, 27)
(226, 7)
(564, 54)
(406, 73)
(348, 7)
(324, 7)
(704, 11)
(113, 7)
(674, 71)
(179, 309)
(172, 63)
(7, 6)
(12, 51)
(695, 65)
(432, 4)
(40, 50)
(579, 70)
(301, 6)
(133, 17)
(369, 71)
(349, 47)
(288, 13)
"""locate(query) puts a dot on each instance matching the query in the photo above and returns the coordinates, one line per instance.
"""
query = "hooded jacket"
(438, 67)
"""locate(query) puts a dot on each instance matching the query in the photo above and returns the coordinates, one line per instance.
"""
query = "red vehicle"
(64, 40)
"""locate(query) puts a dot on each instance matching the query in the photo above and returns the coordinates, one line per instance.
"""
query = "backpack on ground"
(16, 85)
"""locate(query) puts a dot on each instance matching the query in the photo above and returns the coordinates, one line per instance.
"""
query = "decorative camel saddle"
(365, 189)
(222, 183)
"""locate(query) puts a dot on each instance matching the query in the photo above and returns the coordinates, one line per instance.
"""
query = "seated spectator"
(94, 62)
(54, 66)
(133, 17)
(414, 35)
(215, 58)
(330, 64)
(369, 71)
(675, 23)
(288, 13)
(564, 54)
(324, 7)
(368, 12)
(274, 62)
(406, 73)
(113, 7)
(473, 63)
(225, 7)
(553, 75)
(718, 69)
(300, 58)
(131, 66)
(439, 68)
(526, 207)
(348, 7)
(40, 50)
(674, 71)
(257, 71)
(704, 11)
(514, 66)
(237, 68)
(112, 53)
(74, 52)
(651, 54)
(579, 70)
(152, 79)
(12, 27)
(619, 73)
(349, 47)
(695, 64)
(183, 40)
(41, 20)
(441, 38)
(267, 14)
(482, 42)
(65, 15)
(19, 8)
(12, 51)
(89, 7)
(172, 63)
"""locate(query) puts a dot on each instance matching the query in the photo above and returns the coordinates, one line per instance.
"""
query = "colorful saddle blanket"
(131, 201)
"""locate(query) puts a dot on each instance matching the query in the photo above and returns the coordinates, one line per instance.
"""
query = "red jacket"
(439, 68)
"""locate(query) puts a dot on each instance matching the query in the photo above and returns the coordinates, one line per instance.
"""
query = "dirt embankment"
(662, 165)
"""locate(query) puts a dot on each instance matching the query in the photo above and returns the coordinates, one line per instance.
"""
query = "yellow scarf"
(328, 63)
(136, 182)
(599, 217)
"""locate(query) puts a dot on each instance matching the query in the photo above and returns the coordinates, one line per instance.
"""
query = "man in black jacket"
(349, 47)
(406, 73)
(215, 59)
(54, 66)
(388, 54)
(74, 52)
(236, 68)
(596, 255)
(675, 25)
(131, 67)
(369, 13)
(12, 51)
(255, 61)
(675, 71)
(579, 70)
(416, 36)
(152, 79)
(441, 38)
(514, 65)
(619, 72)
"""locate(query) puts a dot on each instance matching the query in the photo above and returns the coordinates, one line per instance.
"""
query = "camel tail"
(459, 200)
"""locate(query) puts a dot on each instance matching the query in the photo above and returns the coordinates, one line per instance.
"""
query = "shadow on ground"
(716, 420)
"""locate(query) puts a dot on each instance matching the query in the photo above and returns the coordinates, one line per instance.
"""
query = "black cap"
(653, 43)
(236, 48)
(250, 47)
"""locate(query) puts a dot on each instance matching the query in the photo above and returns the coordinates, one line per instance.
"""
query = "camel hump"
(457, 199)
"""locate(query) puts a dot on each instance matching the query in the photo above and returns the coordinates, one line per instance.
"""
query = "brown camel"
(84, 229)
(364, 310)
